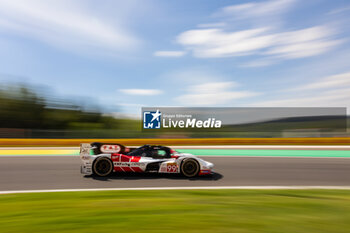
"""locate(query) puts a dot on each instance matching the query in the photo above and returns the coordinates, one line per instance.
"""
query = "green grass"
(244, 211)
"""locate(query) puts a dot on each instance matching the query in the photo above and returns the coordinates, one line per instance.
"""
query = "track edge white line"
(293, 187)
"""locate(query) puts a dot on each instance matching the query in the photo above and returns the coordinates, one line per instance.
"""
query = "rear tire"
(102, 166)
(190, 167)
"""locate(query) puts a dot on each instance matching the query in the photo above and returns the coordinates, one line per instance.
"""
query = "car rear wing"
(85, 149)
(97, 148)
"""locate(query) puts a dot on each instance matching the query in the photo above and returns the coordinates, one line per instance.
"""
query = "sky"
(197, 53)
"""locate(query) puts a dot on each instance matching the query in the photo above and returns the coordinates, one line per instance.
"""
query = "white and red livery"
(103, 159)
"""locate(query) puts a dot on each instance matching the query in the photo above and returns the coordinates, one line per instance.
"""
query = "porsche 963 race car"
(102, 159)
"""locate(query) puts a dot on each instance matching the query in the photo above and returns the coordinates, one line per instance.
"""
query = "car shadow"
(154, 176)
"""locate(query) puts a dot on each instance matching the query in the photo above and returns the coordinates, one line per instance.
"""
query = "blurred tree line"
(24, 112)
(22, 107)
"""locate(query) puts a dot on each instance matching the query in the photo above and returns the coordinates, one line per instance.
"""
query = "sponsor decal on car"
(129, 164)
(110, 148)
(205, 172)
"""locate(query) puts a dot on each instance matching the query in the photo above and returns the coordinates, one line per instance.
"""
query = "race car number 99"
(171, 167)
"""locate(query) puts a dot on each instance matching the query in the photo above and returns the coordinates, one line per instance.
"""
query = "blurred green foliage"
(21, 107)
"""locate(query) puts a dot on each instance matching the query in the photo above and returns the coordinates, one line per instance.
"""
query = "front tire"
(190, 167)
(102, 167)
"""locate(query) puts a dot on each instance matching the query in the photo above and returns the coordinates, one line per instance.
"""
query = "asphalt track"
(62, 172)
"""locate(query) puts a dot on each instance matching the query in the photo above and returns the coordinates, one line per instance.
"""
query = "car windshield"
(159, 154)
(136, 152)
(149, 151)
(142, 151)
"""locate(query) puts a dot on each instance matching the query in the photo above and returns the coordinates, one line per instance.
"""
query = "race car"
(102, 159)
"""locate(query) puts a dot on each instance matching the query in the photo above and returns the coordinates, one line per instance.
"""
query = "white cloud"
(257, 9)
(192, 76)
(65, 24)
(304, 43)
(208, 43)
(331, 91)
(213, 93)
(212, 87)
(331, 98)
(145, 92)
(263, 39)
(211, 40)
(333, 81)
(260, 62)
(218, 43)
(169, 53)
(339, 10)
